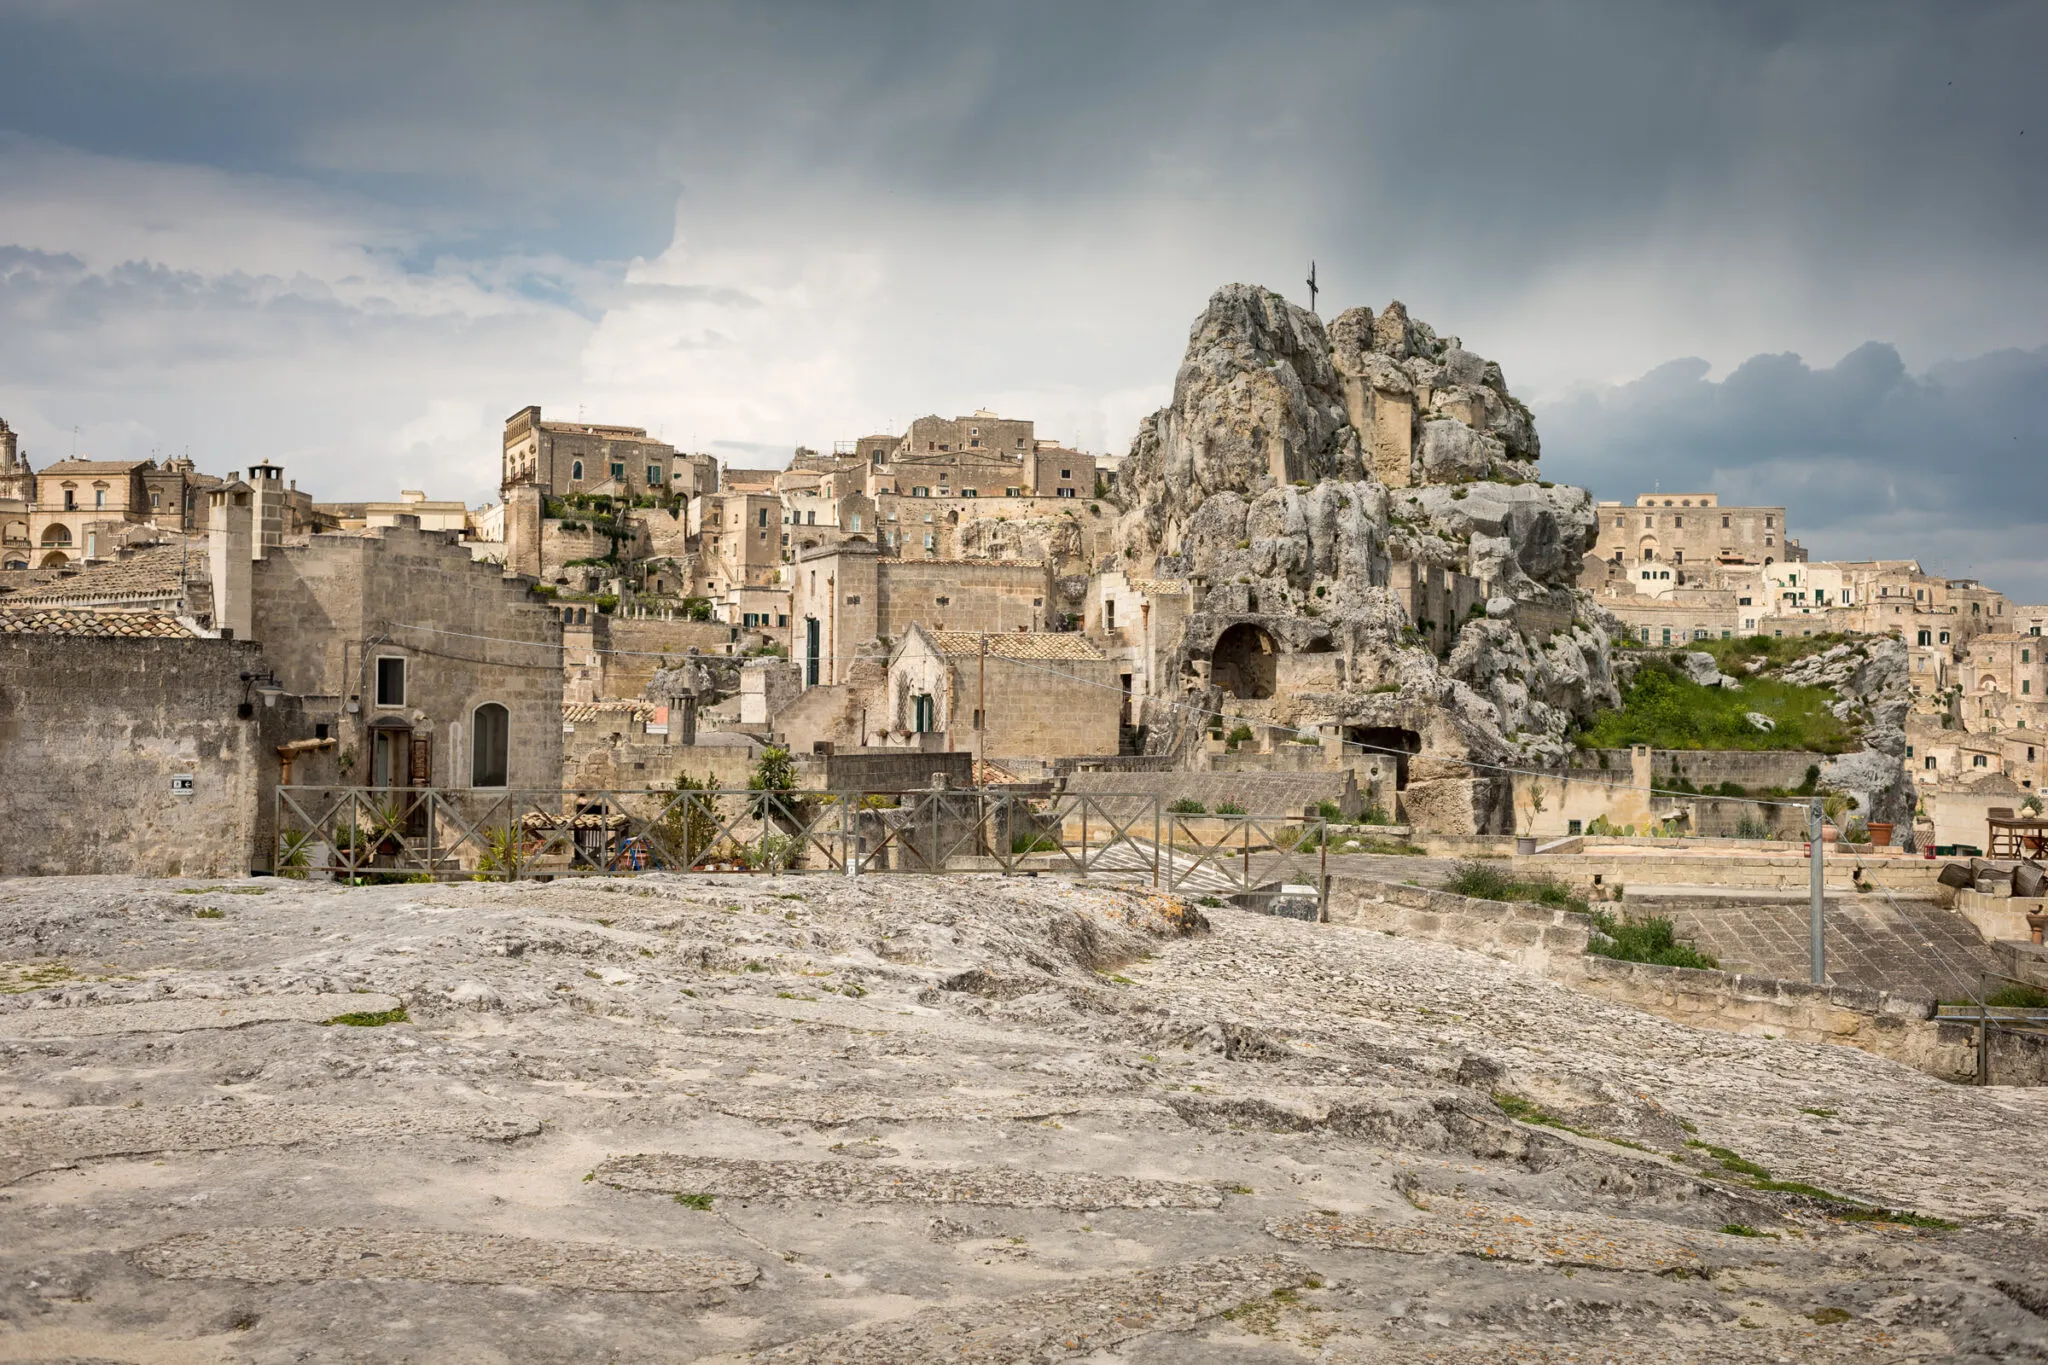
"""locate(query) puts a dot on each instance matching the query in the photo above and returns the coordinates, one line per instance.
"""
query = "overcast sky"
(1792, 253)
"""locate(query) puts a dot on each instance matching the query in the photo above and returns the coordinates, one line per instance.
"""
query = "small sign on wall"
(181, 784)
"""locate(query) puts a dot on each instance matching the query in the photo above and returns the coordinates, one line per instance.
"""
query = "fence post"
(1155, 844)
(1983, 1032)
(849, 832)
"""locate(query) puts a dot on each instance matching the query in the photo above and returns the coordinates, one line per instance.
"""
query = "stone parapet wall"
(1531, 936)
(1552, 942)
(1653, 866)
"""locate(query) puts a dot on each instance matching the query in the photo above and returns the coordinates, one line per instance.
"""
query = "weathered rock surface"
(912, 1119)
(1367, 493)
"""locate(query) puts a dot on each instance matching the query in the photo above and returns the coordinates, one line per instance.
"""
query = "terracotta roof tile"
(1019, 645)
(576, 711)
(129, 625)
(159, 571)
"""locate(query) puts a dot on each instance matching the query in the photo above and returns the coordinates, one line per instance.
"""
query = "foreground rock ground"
(908, 1119)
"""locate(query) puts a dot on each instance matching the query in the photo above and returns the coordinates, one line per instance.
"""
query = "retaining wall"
(1553, 942)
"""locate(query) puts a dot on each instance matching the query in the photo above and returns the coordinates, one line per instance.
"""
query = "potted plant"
(1880, 833)
(1833, 807)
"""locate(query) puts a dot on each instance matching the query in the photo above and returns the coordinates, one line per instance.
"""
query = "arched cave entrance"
(1245, 662)
(1384, 740)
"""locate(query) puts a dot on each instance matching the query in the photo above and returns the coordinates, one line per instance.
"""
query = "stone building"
(589, 457)
(81, 503)
(1136, 622)
(1023, 694)
(1695, 529)
(133, 745)
(17, 480)
(428, 668)
(847, 595)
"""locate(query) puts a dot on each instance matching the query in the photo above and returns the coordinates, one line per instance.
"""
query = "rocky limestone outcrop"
(1871, 677)
(1372, 553)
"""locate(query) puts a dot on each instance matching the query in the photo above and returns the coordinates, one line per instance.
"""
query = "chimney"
(523, 507)
(266, 483)
(231, 515)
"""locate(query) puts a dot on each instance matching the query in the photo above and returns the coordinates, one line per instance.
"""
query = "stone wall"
(327, 610)
(1037, 706)
(1552, 942)
(1753, 769)
(92, 732)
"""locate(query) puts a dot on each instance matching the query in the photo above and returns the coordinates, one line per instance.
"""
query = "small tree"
(1538, 798)
(688, 826)
(774, 776)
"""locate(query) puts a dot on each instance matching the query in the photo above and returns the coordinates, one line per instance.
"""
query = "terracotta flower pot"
(1880, 833)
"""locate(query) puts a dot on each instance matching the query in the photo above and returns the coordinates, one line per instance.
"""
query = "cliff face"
(1368, 493)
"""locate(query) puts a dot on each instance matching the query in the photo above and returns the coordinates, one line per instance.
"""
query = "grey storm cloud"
(771, 224)
(1868, 459)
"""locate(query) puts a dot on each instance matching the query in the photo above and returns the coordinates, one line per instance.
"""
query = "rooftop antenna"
(1311, 286)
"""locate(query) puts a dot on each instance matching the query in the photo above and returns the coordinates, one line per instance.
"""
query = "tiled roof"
(1018, 645)
(130, 625)
(1160, 587)
(63, 467)
(574, 711)
(158, 571)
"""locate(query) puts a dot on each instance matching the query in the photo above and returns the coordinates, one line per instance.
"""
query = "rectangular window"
(2026, 687)
(853, 521)
(1018, 493)
(390, 681)
(653, 475)
(1574, 827)
(1678, 523)
(1724, 521)
(970, 492)
(1064, 492)
(764, 516)
(920, 492)
(618, 470)
(1066, 473)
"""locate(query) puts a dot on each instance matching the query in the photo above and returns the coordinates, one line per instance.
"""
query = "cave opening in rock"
(1245, 662)
(1383, 740)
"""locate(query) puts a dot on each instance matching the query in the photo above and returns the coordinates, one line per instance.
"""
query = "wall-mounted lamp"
(264, 685)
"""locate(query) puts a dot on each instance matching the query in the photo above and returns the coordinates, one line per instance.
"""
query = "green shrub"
(1329, 810)
(1024, 841)
(1376, 814)
(1489, 882)
(1666, 710)
(1229, 808)
(1241, 735)
(1651, 939)
(1186, 805)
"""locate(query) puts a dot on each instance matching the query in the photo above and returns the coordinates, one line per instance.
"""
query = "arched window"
(57, 534)
(576, 470)
(490, 730)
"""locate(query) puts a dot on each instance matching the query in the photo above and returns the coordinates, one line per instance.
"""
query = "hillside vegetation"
(1665, 710)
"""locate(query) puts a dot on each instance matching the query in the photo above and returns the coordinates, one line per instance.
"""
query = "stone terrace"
(910, 1119)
